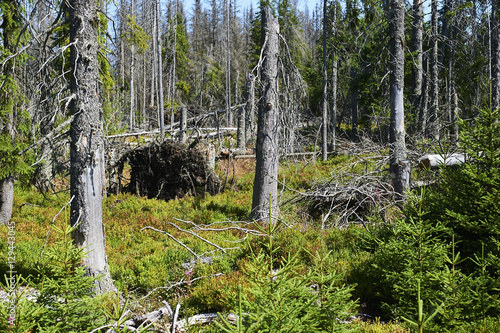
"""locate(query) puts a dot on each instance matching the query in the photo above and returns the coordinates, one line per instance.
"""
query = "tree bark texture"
(250, 107)
(495, 56)
(265, 192)
(87, 145)
(324, 123)
(417, 47)
(399, 165)
(159, 68)
(333, 102)
(183, 125)
(433, 128)
(6, 198)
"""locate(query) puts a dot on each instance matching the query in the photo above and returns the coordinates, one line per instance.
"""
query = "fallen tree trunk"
(435, 161)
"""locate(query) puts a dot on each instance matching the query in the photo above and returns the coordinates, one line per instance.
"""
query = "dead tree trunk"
(265, 191)
(417, 69)
(183, 129)
(250, 107)
(399, 165)
(87, 145)
(333, 103)
(433, 127)
(240, 135)
(495, 56)
(6, 199)
(324, 123)
(161, 113)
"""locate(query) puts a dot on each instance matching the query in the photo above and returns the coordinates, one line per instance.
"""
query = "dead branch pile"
(353, 191)
(341, 204)
(168, 170)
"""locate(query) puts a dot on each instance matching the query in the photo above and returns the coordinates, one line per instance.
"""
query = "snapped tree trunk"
(399, 165)
(87, 145)
(265, 191)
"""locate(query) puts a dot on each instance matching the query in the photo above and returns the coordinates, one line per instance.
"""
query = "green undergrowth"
(151, 266)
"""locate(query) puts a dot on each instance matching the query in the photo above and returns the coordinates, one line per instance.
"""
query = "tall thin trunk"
(433, 127)
(152, 90)
(333, 102)
(324, 123)
(132, 89)
(229, 114)
(161, 114)
(495, 56)
(399, 164)
(87, 144)
(173, 78)
(265, 192)
(417, 47)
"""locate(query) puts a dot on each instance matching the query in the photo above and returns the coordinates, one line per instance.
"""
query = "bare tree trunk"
(250, 107)
(173, 71)
(87, 145)
(153, 68)
(161, 113)
(424, 101)
(132, 90)
(229, 114)
(240, 135)
(6, 199)
(495, 56)
(433, 127)
(324, 123)
(333, 103)
(265, 192)
(399, 165)
(417, 69)
(183, 125)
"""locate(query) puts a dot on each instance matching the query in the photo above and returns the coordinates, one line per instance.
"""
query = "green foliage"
(14, 121)
(407, 250)
(66, 293)
(287, 297)
(25, 311)
(136, 35)
(469, 193)
(422, 319)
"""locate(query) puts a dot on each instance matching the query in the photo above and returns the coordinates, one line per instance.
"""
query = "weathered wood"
(436, 161)
(399, 165)
(6, 199)
(87, 145)
(265, 192)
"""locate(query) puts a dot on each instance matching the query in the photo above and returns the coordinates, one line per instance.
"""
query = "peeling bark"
(399, 165)
(87, 145)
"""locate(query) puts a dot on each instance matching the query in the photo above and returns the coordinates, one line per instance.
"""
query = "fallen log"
(435, 161)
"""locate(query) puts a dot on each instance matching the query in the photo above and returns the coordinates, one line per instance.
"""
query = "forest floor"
(152, 269)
